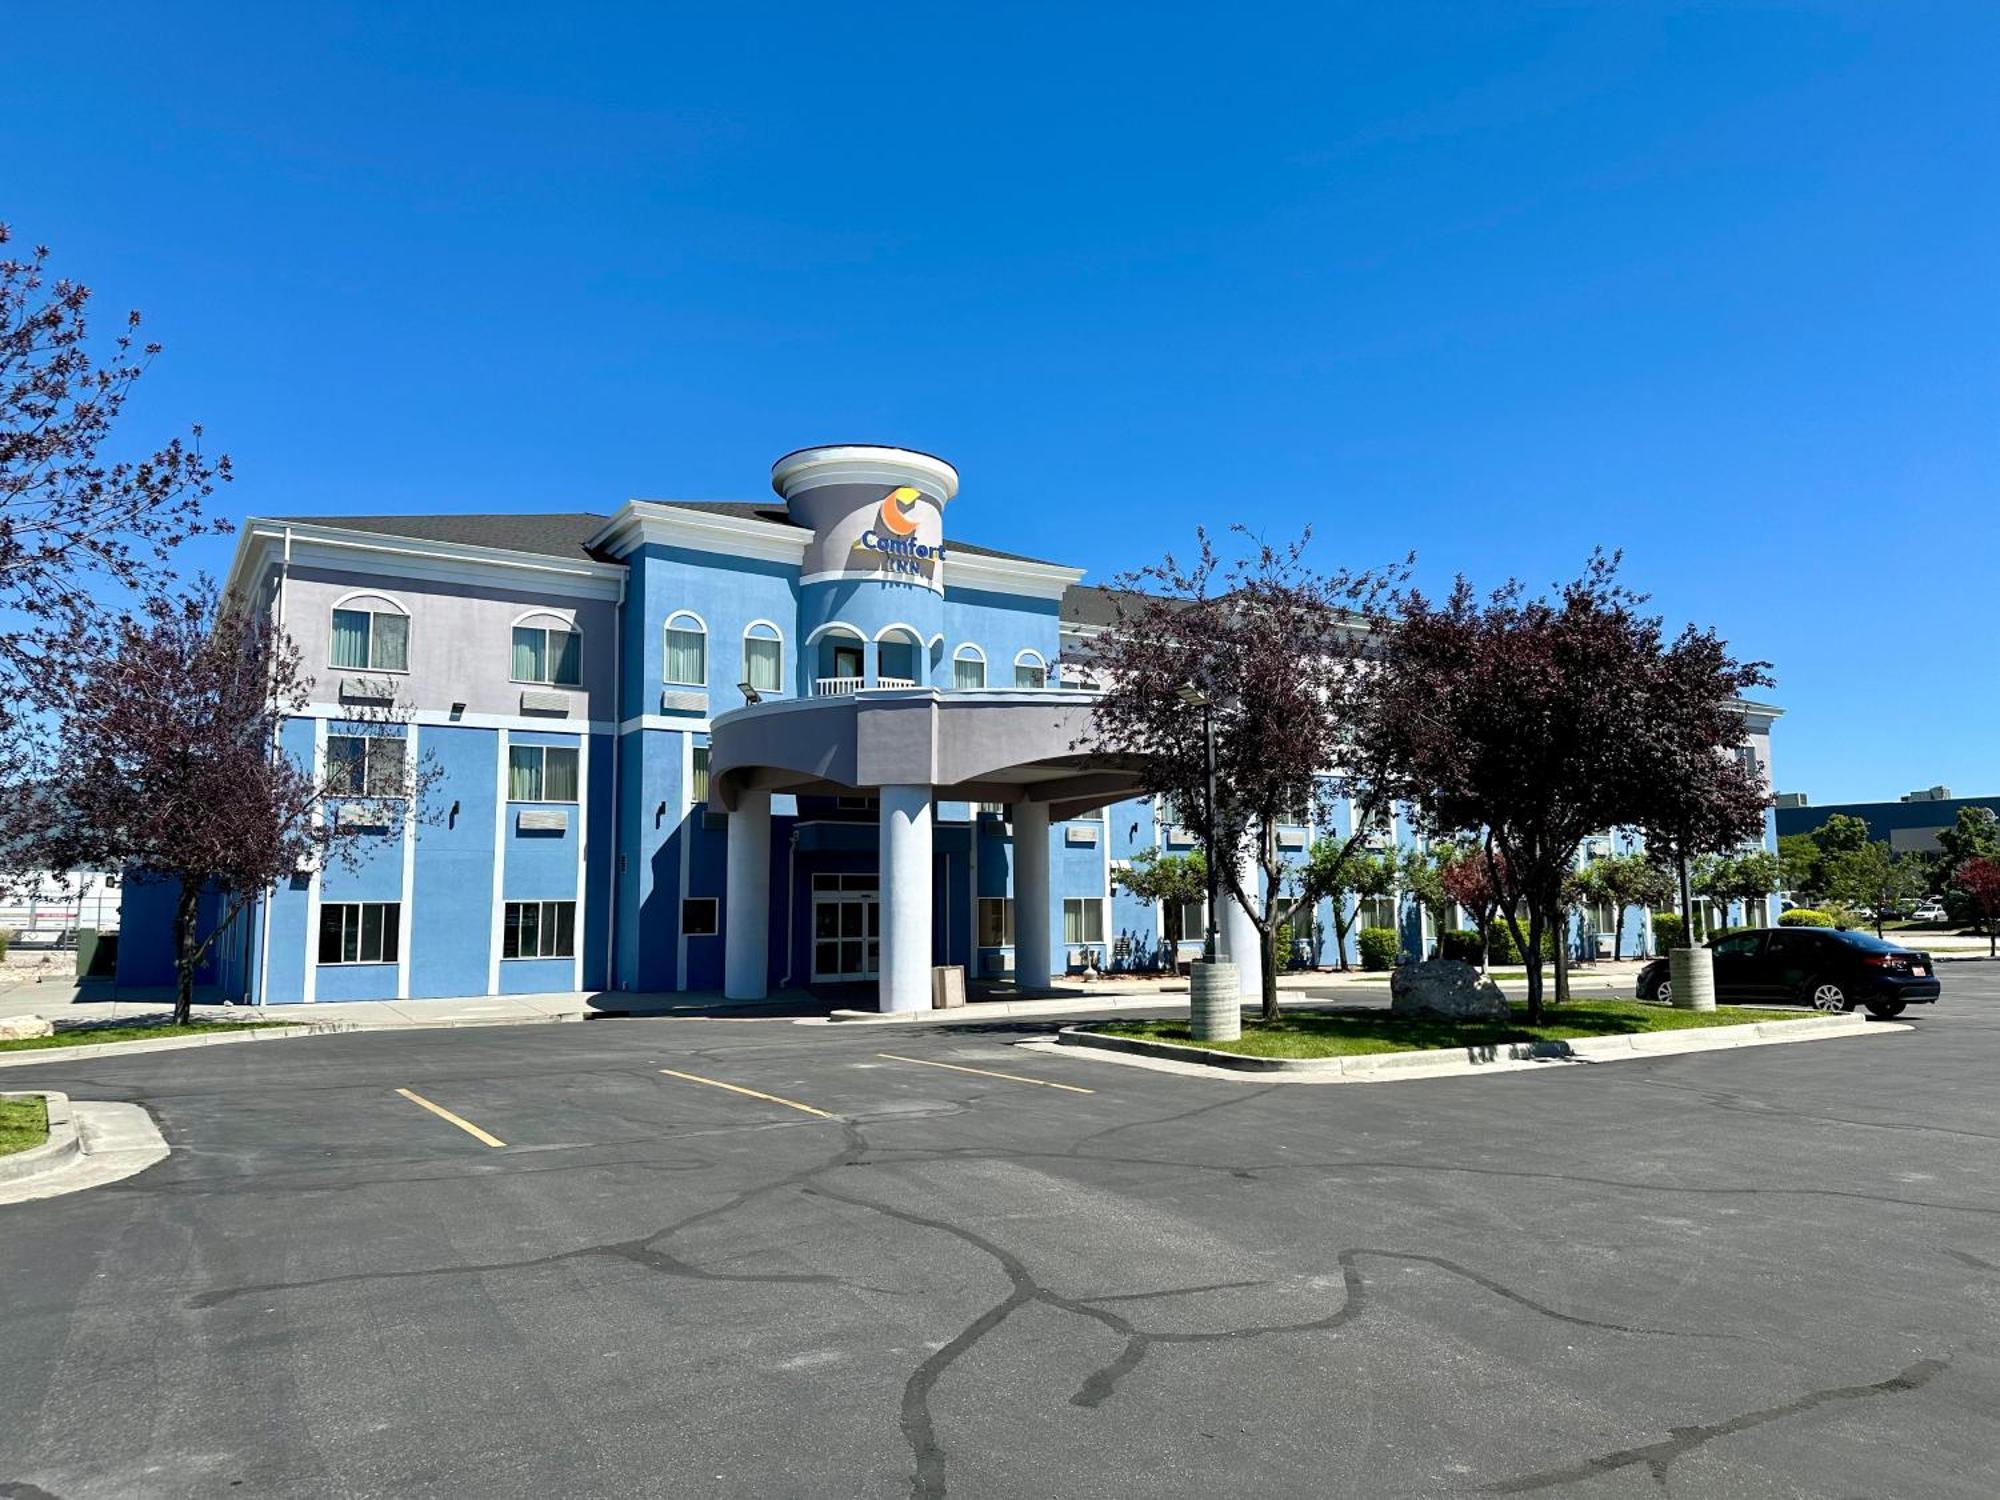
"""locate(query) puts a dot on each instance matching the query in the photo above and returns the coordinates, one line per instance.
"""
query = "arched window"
(371, 632)
(840, 663)
(764, 657)
(547, 648)
(968, 668)
(897, 654)
(1030, 671)
(687, 651)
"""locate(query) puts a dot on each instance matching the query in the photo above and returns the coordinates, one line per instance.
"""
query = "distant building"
(1910, 824)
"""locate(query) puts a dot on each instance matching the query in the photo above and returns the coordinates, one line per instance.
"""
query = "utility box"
(96, 953)
(947, 987)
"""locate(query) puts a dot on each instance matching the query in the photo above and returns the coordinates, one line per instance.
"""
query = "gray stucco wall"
(461, 640)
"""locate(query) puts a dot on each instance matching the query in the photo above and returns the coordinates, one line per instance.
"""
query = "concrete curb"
(1508, 1057)
(63, 1143)
(251, 1032)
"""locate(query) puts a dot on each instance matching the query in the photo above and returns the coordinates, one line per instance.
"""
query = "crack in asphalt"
(1658, 1457)
(641, 1251)
(919, 1424)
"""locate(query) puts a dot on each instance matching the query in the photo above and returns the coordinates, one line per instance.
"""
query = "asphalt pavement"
(679, 1257)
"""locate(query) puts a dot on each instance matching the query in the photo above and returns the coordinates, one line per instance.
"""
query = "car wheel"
(1664, 992)
(1885, 1010)
(1826, 995)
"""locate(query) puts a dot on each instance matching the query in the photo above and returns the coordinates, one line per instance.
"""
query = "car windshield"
(1867, 942)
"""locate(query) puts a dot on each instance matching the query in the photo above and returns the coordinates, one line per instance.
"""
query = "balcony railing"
(895, 682)
(837, 687)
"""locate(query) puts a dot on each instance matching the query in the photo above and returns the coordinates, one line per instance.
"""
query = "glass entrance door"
(847, 941)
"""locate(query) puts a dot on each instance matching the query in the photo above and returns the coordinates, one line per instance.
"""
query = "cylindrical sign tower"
(872, 586)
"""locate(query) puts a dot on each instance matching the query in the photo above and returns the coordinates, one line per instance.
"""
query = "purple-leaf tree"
(172, 769)
(78, 528)
(1531, 724)
(1276, 647)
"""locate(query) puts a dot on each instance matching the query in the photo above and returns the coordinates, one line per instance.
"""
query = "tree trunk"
(184, 956)
(1533, 959)
(1268, 940)
(1562, 960)
(1618, 931)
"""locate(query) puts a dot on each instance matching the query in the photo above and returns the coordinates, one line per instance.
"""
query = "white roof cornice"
(263, 542)
(640, 522)
(1006, 575)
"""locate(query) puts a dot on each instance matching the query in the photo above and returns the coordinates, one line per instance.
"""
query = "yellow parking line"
(444, 1114)
(1042, 1083)
(735, 1088)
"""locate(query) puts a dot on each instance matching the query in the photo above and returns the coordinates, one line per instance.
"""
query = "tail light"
(1894, 961)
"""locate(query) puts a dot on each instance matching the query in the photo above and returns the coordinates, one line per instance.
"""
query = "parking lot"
(695, 1257)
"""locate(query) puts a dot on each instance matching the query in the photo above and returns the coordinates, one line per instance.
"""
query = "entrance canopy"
(1009, 746)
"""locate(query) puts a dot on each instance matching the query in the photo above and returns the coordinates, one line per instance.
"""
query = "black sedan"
(1828, 970)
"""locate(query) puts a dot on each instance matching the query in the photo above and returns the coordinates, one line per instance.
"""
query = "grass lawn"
(86, 1036)
(23, 1123)
(1353, 1033)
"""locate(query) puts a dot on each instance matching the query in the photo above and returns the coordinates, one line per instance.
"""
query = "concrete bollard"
(1691, 971)
(1217, 1002)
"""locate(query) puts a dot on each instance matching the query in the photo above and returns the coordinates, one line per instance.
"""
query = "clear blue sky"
(1715, 284)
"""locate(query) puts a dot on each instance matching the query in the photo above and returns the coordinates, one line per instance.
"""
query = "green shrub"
(6, 937)
(1668, 931)
(1462, 945)
(1805, 916)
(1502, 949)
(1378, 947)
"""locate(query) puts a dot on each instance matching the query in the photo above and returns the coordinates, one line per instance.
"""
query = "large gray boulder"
(20, 1028)
(1445, 988)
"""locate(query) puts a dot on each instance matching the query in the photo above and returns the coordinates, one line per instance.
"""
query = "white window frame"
(699, 763)
(1084, 906)
(969, 652)
(1038, 662)
(368, 742)
(714, 916)
(1006, 922)
(548, 625)
(700, 628)
(545, 926)
(754, 631)
(542, 774)
(367, 599)
(358, 909)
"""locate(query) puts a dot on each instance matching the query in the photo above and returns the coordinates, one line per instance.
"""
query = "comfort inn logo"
(893, 537)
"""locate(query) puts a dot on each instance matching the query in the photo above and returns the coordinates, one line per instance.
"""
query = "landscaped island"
(23, 1123)
(1355, 1033)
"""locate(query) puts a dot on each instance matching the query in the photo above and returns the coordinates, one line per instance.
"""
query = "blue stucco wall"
(452, 925)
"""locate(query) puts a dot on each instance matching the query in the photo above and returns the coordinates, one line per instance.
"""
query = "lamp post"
(1194, 697)
(1215, 996)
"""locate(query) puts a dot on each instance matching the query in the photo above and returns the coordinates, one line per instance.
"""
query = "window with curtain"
(1378, 911)
(764, 659)
(371, 640)
(548, 654)
(687, 652)
(1029, 671)
(698, 779)
(541, 773)
(968, 670)
(1182, 921)
(1083, 920)
(996, 921)
(360, 765)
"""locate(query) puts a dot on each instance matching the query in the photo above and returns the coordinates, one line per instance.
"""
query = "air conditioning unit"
(683, 701)
(367, 690)
(543, 702)
(542, 820)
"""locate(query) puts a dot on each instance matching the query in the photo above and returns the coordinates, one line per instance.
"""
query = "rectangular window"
(1377, 911)
(764, 663)
(1182, 921)
(541, 773)
(1030, 674)
(360, 932)
(968, 672)
(539, 929)
(687, 658)
(370, 640)
(698, 781)
(699, 917)
(364, 765)
(1083, 920)
(551, 656)
(996, 921)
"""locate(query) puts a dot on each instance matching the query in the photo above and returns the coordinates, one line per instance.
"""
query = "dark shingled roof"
(549, 534)
(563, 533)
